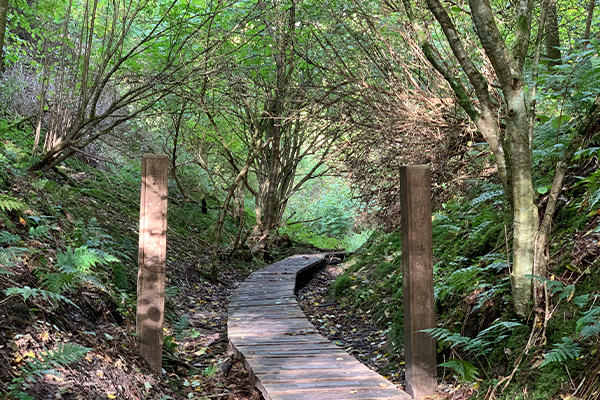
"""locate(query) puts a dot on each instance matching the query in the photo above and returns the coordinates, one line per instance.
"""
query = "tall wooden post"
(417, 271)
(152, 259)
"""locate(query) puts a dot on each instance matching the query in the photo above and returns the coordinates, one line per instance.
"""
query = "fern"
(82, 259)
(9, 238)
(479, 229)
(180, 325)
(58, 282)
(567, 350)
(465, 371)
(482, 344)
(120, 277)
(8, 203)
(12, 255)
(458, 281)
(589, 324)
(45, 363)
(486, 196)
(75, 267)
(39, 231)
(27, 292)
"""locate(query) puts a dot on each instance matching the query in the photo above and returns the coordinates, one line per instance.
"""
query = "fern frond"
(486, 196)
(65, 354)
(27, 292)
(465, 371)
(58, 282)
(590, 330)
(589, 324)
(12, 255)
(567, 350)
(444, 335)
(8, 203)
(83, 259)
(180, 325)
(39, 231)
(9, 238)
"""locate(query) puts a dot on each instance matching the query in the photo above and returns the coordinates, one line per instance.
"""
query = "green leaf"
(9, 238)
(567, 350)
(466, 371)
(27, 292)
(8, 203)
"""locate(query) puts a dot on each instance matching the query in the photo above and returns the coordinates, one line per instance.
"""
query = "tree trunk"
(588, 21)
(3, 14)
(525, 218)
(269, 210)
(552, 36)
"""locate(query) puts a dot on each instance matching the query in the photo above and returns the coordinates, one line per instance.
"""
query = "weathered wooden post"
(417, 271)
(152, 259)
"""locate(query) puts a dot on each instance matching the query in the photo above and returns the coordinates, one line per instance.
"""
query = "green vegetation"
(478, 333)
(285, 123)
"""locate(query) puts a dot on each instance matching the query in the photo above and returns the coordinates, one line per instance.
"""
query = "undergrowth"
(480, 338)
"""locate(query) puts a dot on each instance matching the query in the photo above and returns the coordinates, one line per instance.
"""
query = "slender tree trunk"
(525, 217)
(242, 217)
(588, 21)
(3, 16)
(553, 36)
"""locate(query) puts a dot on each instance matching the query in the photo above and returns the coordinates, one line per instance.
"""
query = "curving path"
(288, 358)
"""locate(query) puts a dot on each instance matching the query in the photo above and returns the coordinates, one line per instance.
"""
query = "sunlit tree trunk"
(511, 146)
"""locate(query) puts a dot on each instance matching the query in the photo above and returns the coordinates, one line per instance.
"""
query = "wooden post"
(152, 259)
(417, 270)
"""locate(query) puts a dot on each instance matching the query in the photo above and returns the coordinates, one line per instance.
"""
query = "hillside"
(69, 260)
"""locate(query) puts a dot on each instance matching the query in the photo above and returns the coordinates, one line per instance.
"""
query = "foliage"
(465, 371)
(328, 206)
(35, 294)
(482, 344)
(561, 352)
(75, 266)
(8, 238)
(12, 255)
(45, 363)
(8, 203)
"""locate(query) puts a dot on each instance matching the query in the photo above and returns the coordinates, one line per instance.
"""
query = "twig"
(506, 380)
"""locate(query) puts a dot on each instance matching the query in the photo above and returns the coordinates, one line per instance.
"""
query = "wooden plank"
(283, 351)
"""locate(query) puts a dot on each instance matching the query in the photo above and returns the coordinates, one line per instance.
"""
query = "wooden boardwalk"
(286, 355)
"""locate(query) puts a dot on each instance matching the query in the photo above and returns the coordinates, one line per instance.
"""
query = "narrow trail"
(283, 351)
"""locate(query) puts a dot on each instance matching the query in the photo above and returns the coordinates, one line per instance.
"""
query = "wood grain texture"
(152, 259)
(417, 275)
(287, 357)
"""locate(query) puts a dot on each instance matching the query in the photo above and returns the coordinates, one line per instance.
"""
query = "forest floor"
(198, 362)
(359, 335)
